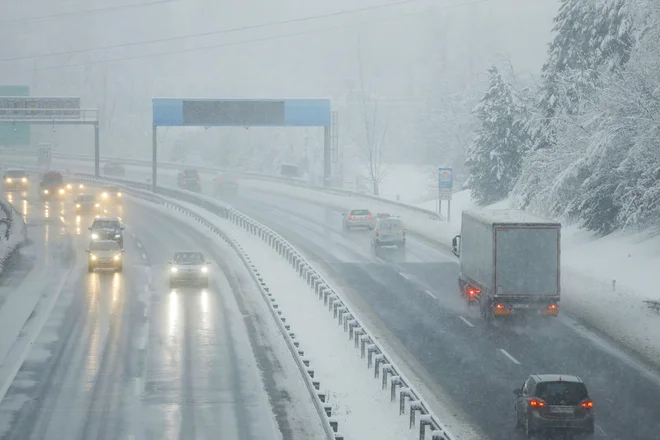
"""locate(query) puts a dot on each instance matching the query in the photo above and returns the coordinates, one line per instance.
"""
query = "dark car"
(107, 228)
(114, 169)
(225, 183)
(15, 180)
(52, 185)
(553, 401)
(190, 180)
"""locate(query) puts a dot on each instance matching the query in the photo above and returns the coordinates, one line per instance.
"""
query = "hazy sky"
(401, 45)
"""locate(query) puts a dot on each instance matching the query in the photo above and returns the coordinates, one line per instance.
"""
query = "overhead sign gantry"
(172, 112)
(50, 111)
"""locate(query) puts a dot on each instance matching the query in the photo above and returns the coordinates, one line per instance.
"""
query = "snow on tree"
(495, 155)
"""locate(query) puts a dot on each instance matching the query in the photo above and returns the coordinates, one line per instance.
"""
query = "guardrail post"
(371, 349)
(415, 406)
(394, 382)
(338, 311)
(365, 340)
(386, 369)
(378, 359)
(403, 394)
(357, 334)
(424, 421)
(351, 328)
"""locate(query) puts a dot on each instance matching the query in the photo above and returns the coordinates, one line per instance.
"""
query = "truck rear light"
(552, 306)
(376, 231)
(551, 310)
(499, 306)
(536, 403)
(473, 292)
(588, 404)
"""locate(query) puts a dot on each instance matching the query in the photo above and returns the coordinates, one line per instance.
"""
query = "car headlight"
(117, 257)
(45, 191)
(117, 235)
(61, 190)
(24, 180)
(92, 256)
(77, 205)
(97, 205)
(69, 186)
(174, 270)
(81, 186)
(95, 236)
(104, 195)
(9, 180)
(118, 194)
(205, 269)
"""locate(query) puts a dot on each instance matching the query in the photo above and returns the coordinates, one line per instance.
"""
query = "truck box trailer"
(511, 259)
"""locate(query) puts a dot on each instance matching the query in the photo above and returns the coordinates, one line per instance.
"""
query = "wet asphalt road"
(123, 356)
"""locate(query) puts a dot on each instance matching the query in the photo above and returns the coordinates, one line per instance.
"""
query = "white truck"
(509, 262)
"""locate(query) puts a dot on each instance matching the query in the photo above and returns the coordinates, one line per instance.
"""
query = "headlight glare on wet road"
(174, 270)
(205, 269)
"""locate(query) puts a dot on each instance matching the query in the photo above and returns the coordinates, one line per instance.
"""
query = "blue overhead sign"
(172, 112)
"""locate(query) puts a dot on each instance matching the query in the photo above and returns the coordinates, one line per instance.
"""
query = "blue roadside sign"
(14, 135)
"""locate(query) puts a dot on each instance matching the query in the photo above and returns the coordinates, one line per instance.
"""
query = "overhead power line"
(212, 33)
(87, 12)
(244, 42)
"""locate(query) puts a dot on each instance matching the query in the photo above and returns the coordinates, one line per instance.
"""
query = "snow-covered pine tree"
(495, 155)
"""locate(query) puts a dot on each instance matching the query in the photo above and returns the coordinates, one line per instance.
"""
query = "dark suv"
(554, 401)
(107, 228)
(190, 180)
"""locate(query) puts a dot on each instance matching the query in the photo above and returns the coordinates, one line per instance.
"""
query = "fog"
(118, 55)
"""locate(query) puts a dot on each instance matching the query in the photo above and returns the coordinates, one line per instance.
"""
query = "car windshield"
(106, 224)
(188, 258)
(360, 212)
(53, 178)
(86, 198)
(561, 393)
(104, 246)
(15, 173)
(191, 173)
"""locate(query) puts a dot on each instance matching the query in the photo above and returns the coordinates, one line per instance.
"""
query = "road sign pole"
(327, 157)
(449, 211)
(97, 150)
(154, 159)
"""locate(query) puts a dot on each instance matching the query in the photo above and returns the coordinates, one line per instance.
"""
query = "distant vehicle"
(105, 254)
(358, 218)
(15, 180)
(189, 268)
(553, 401)
(87, 203)
(52, 185)
(288, 170)
(388, 231)
(225, 183)
(509, 262)
(190, 180)
(107, 228)
(111, 194)
(75, 187)
(114, 169)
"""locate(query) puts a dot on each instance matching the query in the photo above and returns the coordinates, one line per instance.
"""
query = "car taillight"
(351, 217)
(368, 216)
(198, 181)
(377, 232)
(236, 179)
(219, 180)
(404, 231)
(588, 404)
(536, 403)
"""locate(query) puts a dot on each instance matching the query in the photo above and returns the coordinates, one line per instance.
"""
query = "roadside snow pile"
(9, 218)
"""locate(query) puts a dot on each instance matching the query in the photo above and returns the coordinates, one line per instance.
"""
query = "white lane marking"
(379, 260)
(139, 244)
(601, 430)
(466, 321)
(429, 293)
(144, 256)
(404, 275)
(138, 387)
(132, 234)
(511, 358)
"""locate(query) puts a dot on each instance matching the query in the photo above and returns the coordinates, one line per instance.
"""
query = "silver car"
(554, 401)
(189, 268)
(105, 254)
(388, 231)
(358, 218)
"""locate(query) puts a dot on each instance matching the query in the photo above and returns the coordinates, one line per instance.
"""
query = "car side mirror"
(456, 245)
(517, 392)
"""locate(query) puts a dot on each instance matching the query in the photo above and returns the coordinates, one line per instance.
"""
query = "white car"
(189, 268)
(388, 231)
(105, 254)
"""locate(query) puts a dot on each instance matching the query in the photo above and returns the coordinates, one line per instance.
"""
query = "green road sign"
(14, 135)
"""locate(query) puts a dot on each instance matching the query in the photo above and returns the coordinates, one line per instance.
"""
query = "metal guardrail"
(251, 175)
(32, 115)
(383, 366)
